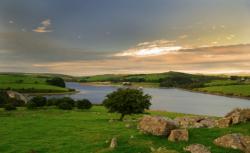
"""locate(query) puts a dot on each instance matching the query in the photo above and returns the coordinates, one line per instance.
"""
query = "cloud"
(46, 23)
(154, 48)
(29, 47)
(183, 36)
(40, 53)
(222, 59)
(44, 28)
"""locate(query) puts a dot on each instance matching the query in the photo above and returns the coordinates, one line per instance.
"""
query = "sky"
(90, 37)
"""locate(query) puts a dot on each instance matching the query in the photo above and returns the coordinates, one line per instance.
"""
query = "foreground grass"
(233, 90)
(27, 83)
(52, 130)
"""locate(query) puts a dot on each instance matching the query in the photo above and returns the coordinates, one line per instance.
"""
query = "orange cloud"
(44, 28)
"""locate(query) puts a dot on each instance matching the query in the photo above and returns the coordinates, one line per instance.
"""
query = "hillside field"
(27, 83)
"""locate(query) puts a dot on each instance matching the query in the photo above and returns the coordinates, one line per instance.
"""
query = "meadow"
(51, 130)
(230, 90)
(28, 83)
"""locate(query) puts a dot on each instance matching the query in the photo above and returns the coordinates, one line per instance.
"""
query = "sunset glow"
(157, 36)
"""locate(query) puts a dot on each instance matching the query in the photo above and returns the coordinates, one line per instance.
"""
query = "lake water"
(174, 100)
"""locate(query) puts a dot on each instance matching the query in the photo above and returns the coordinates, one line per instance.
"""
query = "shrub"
(31, 105)
(9, 107)
(3, 98)
(84, 104)
(65, 99)
(56, 81)
(65, 105)
(52, 102)
(37, 101)
(127, 101)
(16, 102)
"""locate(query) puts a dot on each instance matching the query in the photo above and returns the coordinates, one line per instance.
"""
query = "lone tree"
(127, 101)
(56, 81)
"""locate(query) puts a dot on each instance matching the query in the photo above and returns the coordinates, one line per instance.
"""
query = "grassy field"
(221, 83)
(27, 83)
(234, 90)
(57, 131)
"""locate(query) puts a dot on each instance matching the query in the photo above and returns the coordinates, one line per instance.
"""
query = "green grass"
(234, 90)
(27, 83)
(222, 83)
(57, 131)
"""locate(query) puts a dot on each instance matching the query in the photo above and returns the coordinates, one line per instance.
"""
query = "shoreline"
(158, 87)
(144, 85)
(50, 93)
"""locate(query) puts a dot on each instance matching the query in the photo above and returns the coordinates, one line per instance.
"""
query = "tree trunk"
(122, 116)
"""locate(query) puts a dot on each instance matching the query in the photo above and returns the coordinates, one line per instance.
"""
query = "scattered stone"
(178, 135)
(197, 148)
(223, 122)
(159, 126)
(113, 143)
(208, 122)
(239, 115)
(187, 121)
(162, 150)
(195, 122)
(235, 141)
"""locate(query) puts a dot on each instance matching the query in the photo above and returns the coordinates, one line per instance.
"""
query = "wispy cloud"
(153, 48)
(44, 28)
(183, 36)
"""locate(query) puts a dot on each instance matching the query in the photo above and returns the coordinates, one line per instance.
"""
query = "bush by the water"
(127, 101)
(37, 101)
(31, 105)
(9, 107)
(65, 105)
(52, 101)
(56, 81)
(16, 102)
(65, 99)
(3, 98)
(83, 104)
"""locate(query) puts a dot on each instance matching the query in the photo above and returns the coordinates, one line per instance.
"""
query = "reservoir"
(173, 100)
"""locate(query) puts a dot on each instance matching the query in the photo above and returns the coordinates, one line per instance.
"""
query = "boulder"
(239, 115)
(235, 141)
(208, 122)
(195, 122)
(162, 150)
(197, 148)
(189, 121)
(223, 122)
(159, 126)
(113, 142)
(178, 135)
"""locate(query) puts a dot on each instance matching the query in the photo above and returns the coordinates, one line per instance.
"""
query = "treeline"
(169, 79)
(65, 103)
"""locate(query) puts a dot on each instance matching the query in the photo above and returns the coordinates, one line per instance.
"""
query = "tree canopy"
(56, 81)
(127, 101)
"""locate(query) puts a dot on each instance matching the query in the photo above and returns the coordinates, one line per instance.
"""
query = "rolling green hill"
(28, 83)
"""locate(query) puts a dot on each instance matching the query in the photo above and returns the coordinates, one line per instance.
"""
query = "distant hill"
(154, 77)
